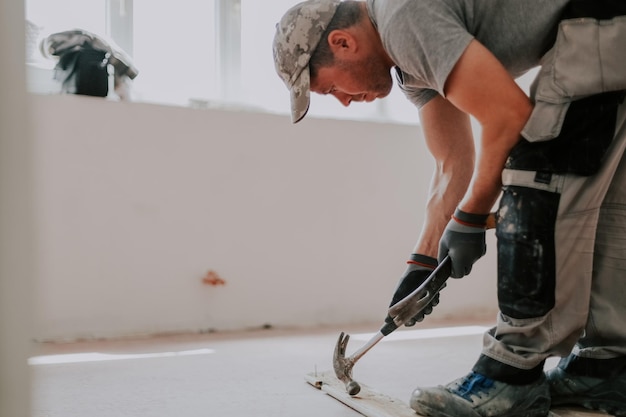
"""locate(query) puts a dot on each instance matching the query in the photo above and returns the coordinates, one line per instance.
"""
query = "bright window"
(59, 15)
(202, 52)
(174, 50)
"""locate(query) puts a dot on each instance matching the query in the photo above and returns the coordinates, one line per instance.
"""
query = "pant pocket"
(590, 56)
(580, 147)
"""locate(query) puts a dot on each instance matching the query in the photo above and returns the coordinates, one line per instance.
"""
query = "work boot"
(604, 394)
(478, 396)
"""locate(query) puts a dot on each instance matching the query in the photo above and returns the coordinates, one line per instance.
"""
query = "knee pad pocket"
(526, 252)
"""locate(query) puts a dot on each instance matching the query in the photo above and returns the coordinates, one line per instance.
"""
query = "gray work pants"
(588, 310)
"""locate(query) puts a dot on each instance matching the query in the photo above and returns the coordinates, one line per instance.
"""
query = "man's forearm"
(497, 141)
(443, 198)
(449, 138)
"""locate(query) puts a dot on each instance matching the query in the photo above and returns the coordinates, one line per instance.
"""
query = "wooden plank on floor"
(368, 401)
(372, 403)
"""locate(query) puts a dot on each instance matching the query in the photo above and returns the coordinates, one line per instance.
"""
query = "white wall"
(308, 224)
(17, 235)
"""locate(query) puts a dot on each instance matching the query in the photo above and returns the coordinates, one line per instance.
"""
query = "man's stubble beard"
(372, 74)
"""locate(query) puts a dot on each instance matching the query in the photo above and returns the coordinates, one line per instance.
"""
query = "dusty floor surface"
(260, 373)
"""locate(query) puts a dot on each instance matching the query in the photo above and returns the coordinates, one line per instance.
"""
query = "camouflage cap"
(297, 35)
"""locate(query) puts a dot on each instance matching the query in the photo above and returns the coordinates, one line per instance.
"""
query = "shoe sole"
(427, 412)
(612, 408)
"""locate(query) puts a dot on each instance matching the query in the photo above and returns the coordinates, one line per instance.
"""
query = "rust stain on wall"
(213, 279)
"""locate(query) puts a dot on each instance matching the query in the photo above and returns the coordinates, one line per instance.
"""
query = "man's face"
(365, 79)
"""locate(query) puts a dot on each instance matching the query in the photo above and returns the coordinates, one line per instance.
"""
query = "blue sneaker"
(475, 395)
(604, 394)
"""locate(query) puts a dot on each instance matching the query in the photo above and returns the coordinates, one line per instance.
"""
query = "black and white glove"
(464, 241)
(418, 269)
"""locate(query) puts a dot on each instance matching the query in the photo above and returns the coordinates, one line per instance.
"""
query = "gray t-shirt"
(425, 38)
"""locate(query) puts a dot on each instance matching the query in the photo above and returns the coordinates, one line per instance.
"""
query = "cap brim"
(300, 96)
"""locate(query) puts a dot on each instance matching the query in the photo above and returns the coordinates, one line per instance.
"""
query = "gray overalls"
(562, 216)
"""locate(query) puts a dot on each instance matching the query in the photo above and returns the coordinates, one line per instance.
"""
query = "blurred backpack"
(83, 63)
(83, 72)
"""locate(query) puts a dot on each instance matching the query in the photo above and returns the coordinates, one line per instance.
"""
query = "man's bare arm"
(480, 86)
(449, 139)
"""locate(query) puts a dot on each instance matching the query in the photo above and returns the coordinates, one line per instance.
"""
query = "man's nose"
(343, 98)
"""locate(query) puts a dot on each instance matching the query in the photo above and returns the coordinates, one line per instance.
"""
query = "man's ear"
(341, 42)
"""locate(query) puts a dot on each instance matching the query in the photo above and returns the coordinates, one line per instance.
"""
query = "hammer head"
(343, 366)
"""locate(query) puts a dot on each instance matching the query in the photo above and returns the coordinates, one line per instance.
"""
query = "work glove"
(419, 267)
(464, 241)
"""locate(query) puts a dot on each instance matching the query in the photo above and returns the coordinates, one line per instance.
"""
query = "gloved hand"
(418, 269)
(464, 240)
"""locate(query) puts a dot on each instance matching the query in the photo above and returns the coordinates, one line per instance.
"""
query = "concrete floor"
(258, 373)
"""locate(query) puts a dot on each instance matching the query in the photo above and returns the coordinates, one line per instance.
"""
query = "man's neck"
(370, 31)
